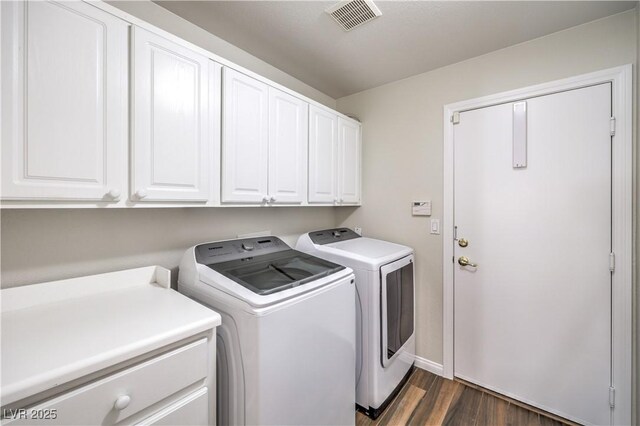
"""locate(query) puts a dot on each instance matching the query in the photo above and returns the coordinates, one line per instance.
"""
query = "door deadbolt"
(462, 242)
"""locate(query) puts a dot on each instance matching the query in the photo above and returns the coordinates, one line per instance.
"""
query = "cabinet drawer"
(144, 384)
(191, 410)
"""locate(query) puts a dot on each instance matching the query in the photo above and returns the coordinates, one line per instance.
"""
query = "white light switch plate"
(435, 226)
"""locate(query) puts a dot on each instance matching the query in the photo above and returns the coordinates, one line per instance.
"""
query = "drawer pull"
(122, 402)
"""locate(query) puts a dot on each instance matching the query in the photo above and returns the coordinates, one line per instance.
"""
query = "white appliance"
(385, 309)
(286, 346)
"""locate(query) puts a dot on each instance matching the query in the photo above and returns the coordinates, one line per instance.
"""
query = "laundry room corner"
(403, 137)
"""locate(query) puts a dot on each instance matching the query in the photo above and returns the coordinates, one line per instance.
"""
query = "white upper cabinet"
(349, 159)
(288, 135)
(171, 144)
(245, 138)
(323, 156)
(64, 102)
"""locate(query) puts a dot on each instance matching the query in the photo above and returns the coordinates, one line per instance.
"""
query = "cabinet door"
(64, 102)
(323, 156)
(349, 160)
(244, 138)
(288, 136)
(170, 159)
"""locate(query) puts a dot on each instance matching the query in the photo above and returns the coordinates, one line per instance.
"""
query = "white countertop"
(60, 331)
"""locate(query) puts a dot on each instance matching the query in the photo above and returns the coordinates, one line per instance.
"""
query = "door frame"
(622, 219)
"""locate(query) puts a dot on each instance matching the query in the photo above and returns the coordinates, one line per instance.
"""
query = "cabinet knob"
(272, 199)
(335, 201)
(122, 402)
(265, 199)
(114, 194)
(140, 194)
(341, 200)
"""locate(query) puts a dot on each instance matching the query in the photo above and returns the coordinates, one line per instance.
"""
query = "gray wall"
(44, 245)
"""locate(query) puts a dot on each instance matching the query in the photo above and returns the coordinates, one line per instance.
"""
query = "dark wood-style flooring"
(427, 399)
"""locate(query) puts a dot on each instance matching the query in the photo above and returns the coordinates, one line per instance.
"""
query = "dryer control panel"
(329, 236)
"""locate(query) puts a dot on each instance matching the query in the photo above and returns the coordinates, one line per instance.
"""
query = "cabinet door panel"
(244, 138)
(288, 139)
(349, 162)
(323, 156)
(64, 71)
(170, 139)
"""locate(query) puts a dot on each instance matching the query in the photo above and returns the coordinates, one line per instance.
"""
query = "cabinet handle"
(114, 194)
(122, 402)
(140, 194)
(341, 200)
(335, 201)
(265, 199)
(272, 199)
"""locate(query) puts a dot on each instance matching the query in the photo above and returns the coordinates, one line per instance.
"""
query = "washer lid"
(274, 272)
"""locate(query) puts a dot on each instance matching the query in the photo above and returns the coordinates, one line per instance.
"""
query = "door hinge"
(612, 262)
(455, 117)
(612, 396)
(612, 126)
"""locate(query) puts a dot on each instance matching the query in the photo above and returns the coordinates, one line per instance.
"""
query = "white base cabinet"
(64, 102)
(151, 362)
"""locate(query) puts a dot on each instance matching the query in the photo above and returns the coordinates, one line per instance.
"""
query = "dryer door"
(397, 307)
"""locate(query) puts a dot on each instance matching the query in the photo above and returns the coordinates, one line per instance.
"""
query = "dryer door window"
(397, 307)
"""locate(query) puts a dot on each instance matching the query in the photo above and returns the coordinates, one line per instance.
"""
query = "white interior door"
(170, 130)
(288, 140)
(323, 156)
(64, 94)
(533, 319)
(245, 138)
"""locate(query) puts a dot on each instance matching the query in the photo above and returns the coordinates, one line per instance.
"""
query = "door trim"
(622, 220)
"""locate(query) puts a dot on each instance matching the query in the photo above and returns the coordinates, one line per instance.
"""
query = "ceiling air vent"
(353, 13)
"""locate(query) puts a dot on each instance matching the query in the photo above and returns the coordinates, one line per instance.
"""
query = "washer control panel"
(329, 236)
(223, 251)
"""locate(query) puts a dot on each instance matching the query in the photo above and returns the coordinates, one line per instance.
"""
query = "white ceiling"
(409, 38)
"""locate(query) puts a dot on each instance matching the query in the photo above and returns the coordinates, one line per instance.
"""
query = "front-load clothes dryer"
(286, 345)
(385, 310)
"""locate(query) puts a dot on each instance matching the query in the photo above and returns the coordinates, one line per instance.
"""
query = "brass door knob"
(462, 242)
(464, 261)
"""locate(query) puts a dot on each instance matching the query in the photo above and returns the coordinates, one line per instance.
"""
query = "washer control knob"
(247, 246)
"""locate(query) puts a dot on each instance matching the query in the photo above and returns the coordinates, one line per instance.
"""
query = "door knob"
(462, 242)
(464, 261)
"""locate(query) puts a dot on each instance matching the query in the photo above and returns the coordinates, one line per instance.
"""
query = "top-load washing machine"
(286, 346)
(385, 342)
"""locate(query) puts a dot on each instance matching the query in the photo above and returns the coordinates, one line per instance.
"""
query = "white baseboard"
(430, 366)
